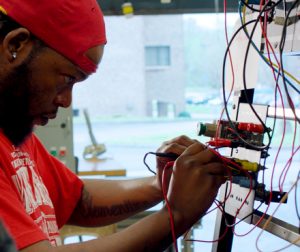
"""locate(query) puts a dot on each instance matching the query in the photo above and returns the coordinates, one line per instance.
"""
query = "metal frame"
(279, 228)
(276, 226)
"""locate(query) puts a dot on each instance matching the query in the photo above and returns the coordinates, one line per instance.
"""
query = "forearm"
(106, 201)
(152, 233)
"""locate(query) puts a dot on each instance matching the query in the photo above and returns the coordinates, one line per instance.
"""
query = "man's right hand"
(197, 175)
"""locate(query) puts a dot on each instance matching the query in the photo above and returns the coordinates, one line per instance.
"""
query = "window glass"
(134, 110)
(157, 55)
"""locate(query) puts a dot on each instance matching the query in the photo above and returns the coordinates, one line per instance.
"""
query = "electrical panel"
(57, 137)
(265, 31)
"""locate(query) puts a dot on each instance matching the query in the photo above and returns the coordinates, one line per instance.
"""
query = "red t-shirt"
(38, 193)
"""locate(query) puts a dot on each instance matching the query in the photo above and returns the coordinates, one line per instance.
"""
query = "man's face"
(33, 91)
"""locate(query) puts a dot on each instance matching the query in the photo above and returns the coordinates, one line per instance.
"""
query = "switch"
(53, 151)
(62, 151)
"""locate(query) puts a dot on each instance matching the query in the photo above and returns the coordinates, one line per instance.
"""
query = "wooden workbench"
(100, 166)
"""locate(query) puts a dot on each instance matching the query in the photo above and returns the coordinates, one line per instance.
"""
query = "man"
(46, 47)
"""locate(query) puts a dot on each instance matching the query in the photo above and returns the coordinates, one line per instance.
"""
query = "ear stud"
(14, 55)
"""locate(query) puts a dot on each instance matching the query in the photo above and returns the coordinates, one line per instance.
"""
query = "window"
(157, 56)
(129, 133)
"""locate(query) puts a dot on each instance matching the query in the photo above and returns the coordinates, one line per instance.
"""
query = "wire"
(244, 218)
(171, 156)
(287, 166)
(267, 61)
(296, 189)
(165, 191)
(224, 95)
(164, 188)
(257, 10)
(244, 75)
(286, 72)
(231, 67)
(283, 199)
(225, 102)
(281, 48)
(145, 163)
(220, 237)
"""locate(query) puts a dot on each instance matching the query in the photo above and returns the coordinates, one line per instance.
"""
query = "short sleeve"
(19, 224)
(63, 185)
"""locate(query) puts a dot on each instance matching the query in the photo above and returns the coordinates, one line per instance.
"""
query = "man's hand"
(197, 175)
(175, 147)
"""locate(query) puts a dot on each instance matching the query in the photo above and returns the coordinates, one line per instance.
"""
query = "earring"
(14, 55)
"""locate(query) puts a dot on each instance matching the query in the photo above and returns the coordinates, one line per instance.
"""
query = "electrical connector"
(244, 182)
(220, 142)
(251, 127)
(250, 132)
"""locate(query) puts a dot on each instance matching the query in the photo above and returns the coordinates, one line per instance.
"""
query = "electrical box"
(57, 137)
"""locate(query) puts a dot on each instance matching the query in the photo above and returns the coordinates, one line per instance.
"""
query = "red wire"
(288, 164)
(277, 89)
(217, 240)
(285, 170)
(231, 67)
(260, 220)
(165, 191)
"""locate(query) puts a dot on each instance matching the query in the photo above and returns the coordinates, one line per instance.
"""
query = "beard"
(15, 119)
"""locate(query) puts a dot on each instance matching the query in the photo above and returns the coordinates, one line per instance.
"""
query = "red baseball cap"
(70, 27)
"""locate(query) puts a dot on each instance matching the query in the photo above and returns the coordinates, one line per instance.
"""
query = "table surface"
(100, 166)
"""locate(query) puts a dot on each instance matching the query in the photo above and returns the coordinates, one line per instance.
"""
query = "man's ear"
(17, 44)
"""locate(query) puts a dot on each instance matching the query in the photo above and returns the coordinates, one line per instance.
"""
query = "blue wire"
(260, 54)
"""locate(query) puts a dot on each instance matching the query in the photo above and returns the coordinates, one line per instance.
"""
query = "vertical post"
(223, 234)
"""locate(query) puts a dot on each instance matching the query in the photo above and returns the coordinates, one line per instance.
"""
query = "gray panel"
(57, 136)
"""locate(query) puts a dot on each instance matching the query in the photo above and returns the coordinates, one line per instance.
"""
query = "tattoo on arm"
(88, 209)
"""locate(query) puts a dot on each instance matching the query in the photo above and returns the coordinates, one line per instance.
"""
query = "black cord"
(171, 156)
(234, 224)
(224, 95)
(278, 72)
(145, 163)
(244, 76)
(258, 10)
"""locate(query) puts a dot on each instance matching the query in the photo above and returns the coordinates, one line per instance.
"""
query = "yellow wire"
(286, 72)
(244, 13)
(273, 64)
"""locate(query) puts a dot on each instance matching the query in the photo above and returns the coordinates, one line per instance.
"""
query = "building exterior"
(142, 71)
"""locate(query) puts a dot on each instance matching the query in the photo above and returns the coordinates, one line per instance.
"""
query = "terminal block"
(262, 195)
(225, 133)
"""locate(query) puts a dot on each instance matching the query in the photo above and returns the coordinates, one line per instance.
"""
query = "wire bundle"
(265, 14)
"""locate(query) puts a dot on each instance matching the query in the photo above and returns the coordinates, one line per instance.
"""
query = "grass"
(204, 113)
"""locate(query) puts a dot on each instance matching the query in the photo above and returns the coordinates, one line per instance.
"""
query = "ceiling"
(143, 7)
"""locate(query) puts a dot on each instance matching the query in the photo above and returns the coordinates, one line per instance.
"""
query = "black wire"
(278, 72)
(244, 76)
(281, 48)
(258, 10)
(224, 95)
(170, 155)
(277, 78)
(244, 218)
(145, 163)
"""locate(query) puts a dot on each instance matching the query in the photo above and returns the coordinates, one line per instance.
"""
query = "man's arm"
(153, 233)
(108, 201)
(197, 175)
